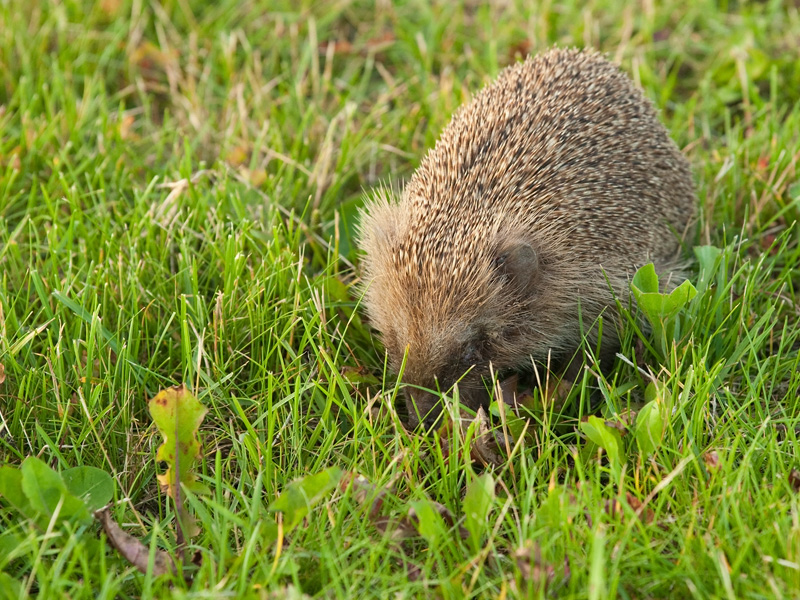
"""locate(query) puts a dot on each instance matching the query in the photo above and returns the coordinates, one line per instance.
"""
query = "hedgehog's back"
(561, 142)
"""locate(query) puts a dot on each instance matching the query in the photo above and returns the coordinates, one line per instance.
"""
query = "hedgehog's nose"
(423, 408)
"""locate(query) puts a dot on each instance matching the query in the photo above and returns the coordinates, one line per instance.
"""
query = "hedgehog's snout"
(425, 407)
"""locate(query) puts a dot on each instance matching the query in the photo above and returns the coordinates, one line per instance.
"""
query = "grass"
(179, 186)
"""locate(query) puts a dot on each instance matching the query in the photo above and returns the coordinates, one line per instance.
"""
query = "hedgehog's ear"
(518, 264)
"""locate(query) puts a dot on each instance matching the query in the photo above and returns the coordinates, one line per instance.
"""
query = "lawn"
(179, 194)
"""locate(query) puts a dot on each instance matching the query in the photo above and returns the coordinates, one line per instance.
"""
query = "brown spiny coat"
(544, 193)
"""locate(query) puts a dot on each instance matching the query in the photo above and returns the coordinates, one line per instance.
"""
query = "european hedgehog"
(539, 201)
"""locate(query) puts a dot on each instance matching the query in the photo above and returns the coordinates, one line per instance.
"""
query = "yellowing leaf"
(149, 57)
(178, 415)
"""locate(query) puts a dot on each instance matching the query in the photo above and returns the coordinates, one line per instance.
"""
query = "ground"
(179, 187)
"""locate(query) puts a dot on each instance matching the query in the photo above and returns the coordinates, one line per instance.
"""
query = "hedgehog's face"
(467, 367)
(444, 326)
(470, 343)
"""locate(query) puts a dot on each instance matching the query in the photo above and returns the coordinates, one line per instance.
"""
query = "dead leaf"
(413, 571)
(197, 558)
(519, 50)
(362, 489)
(132, 548)
(339, 46)
(397, 529)
(125, 128)
(534, 574)
(618, 425)
(613, 508)
(767, 242)
(662, 35)
(72, 406)
(488, 446)
(556, 395)
(711, 458)
(508, 389)
(256, 177)
(110, 7)
(380, 42)
(237, 156)
(794, 480)
(407, 526)
(153, 62)
(627, 417)
(645, 514)
(446, 515)
(2, 373)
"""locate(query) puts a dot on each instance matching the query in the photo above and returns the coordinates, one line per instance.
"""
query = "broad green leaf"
(646, 280)
(477, 503)
(657, 391)
(178, 415)
(9, 587)
(649, 427)
(794, 191)
(605, 437)
(300, 496)
(11, 490)
(653, 305)
(10, 542)
(45, 490)
(680, 297)
(660, 309)
(92, 485)
(430, 524)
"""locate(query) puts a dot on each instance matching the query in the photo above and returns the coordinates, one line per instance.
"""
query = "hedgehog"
(521, 229)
